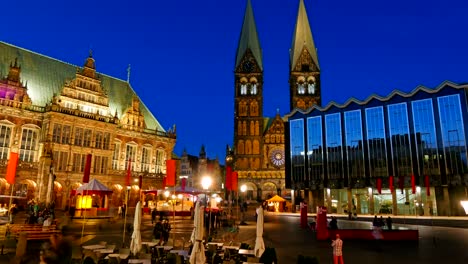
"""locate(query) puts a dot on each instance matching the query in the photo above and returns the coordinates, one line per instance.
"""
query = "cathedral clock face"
(277, 158)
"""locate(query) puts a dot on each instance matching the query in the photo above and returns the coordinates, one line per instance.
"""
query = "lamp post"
(243, 188)
(206, 183)
(127, 192)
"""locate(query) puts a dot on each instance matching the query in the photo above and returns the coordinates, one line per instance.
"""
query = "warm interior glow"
(464, 204)
(243, 188)
(84, 201)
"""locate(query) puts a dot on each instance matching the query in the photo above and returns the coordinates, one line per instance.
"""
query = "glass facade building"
(404, 154)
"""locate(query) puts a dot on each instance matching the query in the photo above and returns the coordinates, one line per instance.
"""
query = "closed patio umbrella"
(259, 244)
(198, 251)
(135, 244)
(195, 219)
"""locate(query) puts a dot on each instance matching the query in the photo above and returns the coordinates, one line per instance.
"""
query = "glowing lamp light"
(464, 204)
(180, 196)
(243, 188)
(167, 193)
(206, 182)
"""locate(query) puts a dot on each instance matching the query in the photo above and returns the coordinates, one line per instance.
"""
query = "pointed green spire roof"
(249, 38)
(302, 37)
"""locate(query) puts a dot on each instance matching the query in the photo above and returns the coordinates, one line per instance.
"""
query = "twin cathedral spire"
(304, 69)
(258, 140)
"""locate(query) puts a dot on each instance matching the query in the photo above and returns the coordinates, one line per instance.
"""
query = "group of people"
(40, 214)
(161, 229)
(380, 223)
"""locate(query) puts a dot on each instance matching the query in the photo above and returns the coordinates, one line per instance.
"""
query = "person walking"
(154, 212)
(166, 230)
(158, 232)
(337, 245)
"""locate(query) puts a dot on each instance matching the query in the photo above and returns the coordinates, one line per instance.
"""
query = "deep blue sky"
(182, 52)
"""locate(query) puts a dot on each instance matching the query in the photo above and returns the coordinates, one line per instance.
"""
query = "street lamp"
(206, 183)
(243, 188)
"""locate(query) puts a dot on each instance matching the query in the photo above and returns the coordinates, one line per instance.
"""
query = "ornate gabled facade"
(193, 168)
(65, 113)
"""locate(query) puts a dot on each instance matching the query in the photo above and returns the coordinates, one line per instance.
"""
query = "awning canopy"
(276, 198)
(92, 187)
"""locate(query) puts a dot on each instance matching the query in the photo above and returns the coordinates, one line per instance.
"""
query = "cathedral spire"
(302, 38)
(249, 38)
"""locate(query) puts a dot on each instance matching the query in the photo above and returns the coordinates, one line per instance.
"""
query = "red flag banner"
(87, 169)
(234, 181)
(428, 185)
(228, 178)
(129, 173)
(401, 183)
(379, 185)
(183, 182)
(390, 183)
(140, 182)
(164, 183)
(170, 172)
(413, 184)
(11, 168)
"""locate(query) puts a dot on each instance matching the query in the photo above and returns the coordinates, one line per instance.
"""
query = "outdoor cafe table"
(166, 248)
(120, 256)
(232, 247)
(247, 252)
(143, 261)
(180, 252)
(94, 247)
(218, 244)
(150, 244)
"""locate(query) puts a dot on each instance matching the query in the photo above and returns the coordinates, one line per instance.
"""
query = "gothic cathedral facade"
(258, 149)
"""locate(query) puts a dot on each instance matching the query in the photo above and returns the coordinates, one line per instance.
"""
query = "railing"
(77, 112)
(21, 105)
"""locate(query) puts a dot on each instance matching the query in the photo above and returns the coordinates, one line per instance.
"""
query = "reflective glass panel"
(334, 147)
(376, 142)
(354, 144)
(297, 150)
(400, 139)
(453, 135)
(315, 148)
(425, 137)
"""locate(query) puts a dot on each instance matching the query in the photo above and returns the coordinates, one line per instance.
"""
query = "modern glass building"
(405, 154)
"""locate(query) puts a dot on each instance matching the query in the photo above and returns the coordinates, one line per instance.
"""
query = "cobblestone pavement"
(281, 231)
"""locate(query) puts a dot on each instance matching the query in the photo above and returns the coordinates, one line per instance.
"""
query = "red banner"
(413, 184)
(183, 182)
(234, 181)
(390, 183)
(87, 169)
(164, 183)
(129, 173)
(427, 182)
(11, 168)
(170, 172)
(228, 178)
(379, 185)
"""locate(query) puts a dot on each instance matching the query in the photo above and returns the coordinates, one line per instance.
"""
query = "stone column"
(311, 205)
(43, 178)
(394, 203)
(371, 202)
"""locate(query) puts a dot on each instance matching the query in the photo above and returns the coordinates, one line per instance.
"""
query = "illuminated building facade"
(53, 114)
(405, 154)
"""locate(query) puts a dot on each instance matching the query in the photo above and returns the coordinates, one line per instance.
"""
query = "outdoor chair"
(112, 246)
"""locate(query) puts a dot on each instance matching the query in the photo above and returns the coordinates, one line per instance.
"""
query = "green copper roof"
(302, 37)
(45, 76)
(249, 38)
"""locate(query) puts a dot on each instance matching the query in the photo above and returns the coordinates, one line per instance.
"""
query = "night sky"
(182, 52)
